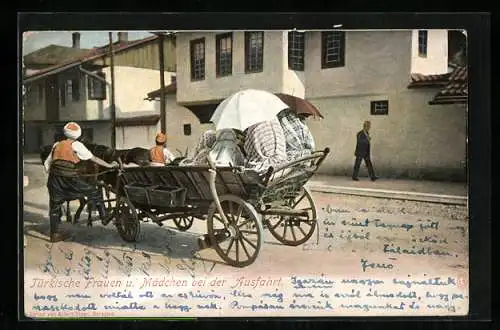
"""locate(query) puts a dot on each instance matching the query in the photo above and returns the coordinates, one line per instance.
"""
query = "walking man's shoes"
(355, 179)
(374, 178)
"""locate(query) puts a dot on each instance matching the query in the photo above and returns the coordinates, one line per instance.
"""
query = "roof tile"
(456, 91)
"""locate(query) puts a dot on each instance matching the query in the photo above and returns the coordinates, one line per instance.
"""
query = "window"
(75, 89)
(254, 52)
(197, 49)
(379, 108)
(69, 90)
(97, 87)
(332, 49)
(62, 93)
(224, 54)
(296, 50)
(187, 129)
(422, 43)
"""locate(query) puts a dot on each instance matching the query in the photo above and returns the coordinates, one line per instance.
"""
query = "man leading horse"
(65, 184)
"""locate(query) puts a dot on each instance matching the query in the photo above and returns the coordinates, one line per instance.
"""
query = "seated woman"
(265, 145)
(299, 140)
(226, 151)
(207, 141)
(159, 154)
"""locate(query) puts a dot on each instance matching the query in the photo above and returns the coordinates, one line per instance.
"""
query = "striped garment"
(205, 144)
(299, 140)
(226, 151)
(265, 145)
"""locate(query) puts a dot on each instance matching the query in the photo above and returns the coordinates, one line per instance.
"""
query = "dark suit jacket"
(362, 145)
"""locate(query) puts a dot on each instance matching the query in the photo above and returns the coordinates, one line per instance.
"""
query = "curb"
(391, 194)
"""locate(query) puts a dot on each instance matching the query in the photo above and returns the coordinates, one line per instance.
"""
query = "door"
(51, 99)
(32, 138)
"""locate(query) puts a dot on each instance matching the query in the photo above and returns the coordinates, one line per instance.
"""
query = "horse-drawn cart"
(236, 203)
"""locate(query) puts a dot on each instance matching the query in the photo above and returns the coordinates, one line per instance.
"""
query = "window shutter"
(75, 89)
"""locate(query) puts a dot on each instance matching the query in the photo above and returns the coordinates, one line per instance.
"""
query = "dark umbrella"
(299, 105)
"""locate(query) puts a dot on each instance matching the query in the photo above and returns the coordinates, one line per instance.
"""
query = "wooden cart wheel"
(240, 243)
(295, 230)
(127, 220)
(183, 223)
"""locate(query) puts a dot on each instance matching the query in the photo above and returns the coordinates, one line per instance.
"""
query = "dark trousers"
(369, 165)
(62, 189)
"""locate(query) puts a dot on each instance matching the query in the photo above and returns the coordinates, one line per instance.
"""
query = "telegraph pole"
(112, 96)
(163, 118)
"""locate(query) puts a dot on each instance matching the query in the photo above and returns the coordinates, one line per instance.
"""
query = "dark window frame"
(187, 129)
(375, 112)
(62, 94)
(95, 85)
(259, 62)
(219, 68)
(423, 41)
(75, 89)
(202, 73)
(325, 64)
(296, 50)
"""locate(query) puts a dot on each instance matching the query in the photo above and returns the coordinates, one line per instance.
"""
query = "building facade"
(351, 76)
(78, 88)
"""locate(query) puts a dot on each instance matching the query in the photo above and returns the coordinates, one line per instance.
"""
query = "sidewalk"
(428, 191)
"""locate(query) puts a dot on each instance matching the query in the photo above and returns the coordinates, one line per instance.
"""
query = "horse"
(91, 171)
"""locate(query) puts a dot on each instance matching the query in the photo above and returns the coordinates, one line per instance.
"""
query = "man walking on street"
(362, 152)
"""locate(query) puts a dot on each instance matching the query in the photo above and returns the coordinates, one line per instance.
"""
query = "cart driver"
(64, 183)
(159, 154)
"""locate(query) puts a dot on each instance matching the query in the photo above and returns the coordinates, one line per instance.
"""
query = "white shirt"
(169, 157)
(79, 148)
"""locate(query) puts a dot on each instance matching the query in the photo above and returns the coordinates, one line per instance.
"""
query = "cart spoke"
(230, 246)
(244, 247)
(278, 223)
(284, 229)
(293, 232)
(298, 201)
(244, 223)
(219, 219)
(302, 230)
(249, 242)
(237, 250)
(240, 211)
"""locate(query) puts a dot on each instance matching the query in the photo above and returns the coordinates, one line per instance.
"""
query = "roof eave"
(451, 100)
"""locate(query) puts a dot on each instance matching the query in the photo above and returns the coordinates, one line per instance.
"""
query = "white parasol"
(246, 108)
